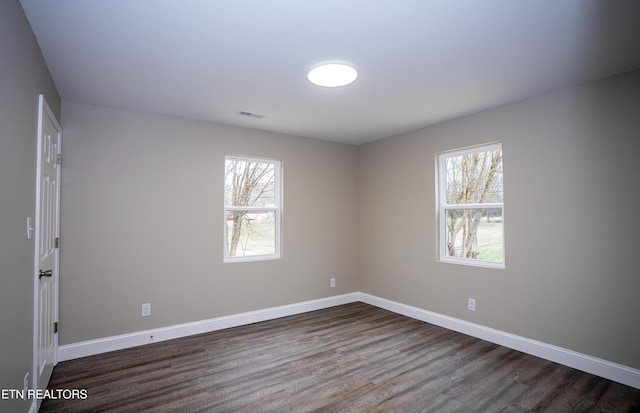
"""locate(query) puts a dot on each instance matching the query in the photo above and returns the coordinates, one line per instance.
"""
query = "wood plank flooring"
(350, 358)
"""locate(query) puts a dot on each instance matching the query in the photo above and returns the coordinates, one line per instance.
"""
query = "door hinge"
(59, 159)
(55, 327)
(57, 243)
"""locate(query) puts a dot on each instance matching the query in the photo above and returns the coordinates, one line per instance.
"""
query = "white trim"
(103, 345)
(603, 368)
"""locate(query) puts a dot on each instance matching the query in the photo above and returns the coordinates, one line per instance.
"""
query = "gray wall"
(142, 199)
(571, 202)
(23, 75)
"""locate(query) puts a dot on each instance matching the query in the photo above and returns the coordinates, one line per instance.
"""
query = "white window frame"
(277, 209)
(442, 207)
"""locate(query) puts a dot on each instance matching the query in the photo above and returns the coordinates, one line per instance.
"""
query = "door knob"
(48, 273)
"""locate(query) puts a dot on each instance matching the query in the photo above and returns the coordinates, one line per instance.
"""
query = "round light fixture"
(332, 75)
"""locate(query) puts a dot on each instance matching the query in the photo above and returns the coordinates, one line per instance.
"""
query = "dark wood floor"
(350, 358)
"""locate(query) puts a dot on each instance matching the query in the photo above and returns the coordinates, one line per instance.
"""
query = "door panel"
(47, 229)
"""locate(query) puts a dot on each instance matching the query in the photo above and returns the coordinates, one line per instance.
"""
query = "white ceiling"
(420, 61)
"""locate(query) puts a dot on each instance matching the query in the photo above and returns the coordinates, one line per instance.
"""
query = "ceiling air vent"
(250, 115)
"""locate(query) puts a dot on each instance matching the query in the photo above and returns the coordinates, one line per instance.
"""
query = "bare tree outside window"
(472, 205)
(251, 207)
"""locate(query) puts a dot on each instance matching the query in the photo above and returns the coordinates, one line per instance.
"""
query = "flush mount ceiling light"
(332, 75)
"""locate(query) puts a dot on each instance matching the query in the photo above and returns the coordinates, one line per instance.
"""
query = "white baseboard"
(603, 368)
(119, 342)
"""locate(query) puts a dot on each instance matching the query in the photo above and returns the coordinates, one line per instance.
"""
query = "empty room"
(336, 206)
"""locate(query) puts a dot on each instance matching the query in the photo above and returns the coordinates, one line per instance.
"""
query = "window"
(252, 191)
(471, 206)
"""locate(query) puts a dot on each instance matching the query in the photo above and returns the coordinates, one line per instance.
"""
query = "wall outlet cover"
(146, 310)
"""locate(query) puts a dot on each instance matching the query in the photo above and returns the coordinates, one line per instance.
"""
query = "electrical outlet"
(332, 282)
(25, 383)
(471, 304)
(146, 310)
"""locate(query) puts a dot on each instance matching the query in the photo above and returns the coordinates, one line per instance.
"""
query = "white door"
(46, 248)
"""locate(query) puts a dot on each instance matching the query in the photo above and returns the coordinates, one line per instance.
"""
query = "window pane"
(475, 233)
(249, 183)
(251, 233)
(474, 178)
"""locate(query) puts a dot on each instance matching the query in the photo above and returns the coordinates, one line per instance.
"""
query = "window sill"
(472, 263)
(251, 259)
